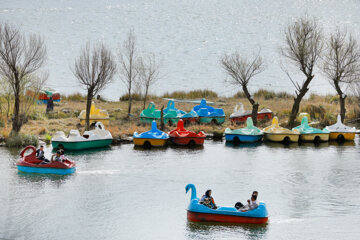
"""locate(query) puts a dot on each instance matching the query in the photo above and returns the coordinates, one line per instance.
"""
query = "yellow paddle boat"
(96, 115)
(341, 132)
(275, 133)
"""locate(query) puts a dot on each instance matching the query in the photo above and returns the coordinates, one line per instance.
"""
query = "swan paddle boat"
(275, 133)
(30, 164)
(310, 134)
(341, 132)
(181, 136)
(240, 114)
(248, 134)
(99, 137)
(96, 115)
(197, 212)
(152, 138)
(208, 114)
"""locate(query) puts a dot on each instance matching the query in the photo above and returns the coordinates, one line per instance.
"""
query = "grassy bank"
(322, 109)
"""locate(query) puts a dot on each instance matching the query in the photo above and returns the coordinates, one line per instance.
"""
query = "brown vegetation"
(322, 109)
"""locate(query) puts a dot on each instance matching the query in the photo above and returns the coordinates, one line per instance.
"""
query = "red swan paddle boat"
(181, 136)
(29, 163)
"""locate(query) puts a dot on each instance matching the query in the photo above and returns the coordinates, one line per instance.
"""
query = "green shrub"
(20, 140)
(135, 97)
(47, 139)
(263, 93)
(37, 116)
(76, 97)
(2, 122)
(239, 94)
(284, 95)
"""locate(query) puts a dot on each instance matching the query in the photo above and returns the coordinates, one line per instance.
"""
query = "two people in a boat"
(58, 156)
(252, 203)
(208, 200)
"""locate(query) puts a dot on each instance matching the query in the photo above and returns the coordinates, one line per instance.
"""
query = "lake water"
(189, 36)
(312, 192)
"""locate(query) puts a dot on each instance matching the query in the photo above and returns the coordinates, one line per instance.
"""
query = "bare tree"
(341, 64)
(148, 71)
(128, 60)
(303, 46)
(20, 58)
(242, 70)
(94, 70)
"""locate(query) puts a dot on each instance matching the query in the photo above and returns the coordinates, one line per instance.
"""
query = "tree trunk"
(342, 98)
(255, 105)
(162, 125)
(255, 108)
(130, 101)
(145, 97)
(342, 107)
(297, 101)
(294, 111)
(88, 107)
(16, 124)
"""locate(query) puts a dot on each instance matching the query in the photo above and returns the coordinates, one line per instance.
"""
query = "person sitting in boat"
(252, 203)
(56, 157)
(62, 153)
(208, 200)
(40, 154)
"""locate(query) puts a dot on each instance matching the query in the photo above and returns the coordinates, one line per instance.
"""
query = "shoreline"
(322, 109)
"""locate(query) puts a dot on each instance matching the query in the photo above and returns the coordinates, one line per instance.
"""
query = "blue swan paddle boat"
(208, 114)
(197, 212)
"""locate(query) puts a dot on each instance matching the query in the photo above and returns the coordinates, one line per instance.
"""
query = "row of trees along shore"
(305, 47)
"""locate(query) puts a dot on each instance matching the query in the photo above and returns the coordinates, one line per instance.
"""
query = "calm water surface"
(312, 192)
(189, 36)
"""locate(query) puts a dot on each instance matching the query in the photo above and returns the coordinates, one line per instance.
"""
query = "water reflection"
(243, 145)
(345, 144)
(211, 230)
(40, 179)
(314, 144)
(281, 145)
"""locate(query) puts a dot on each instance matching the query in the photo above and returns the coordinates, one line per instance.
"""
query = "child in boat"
(62, 154)
(56, 157)
(41, 155)
(252, 203)
(208, 200)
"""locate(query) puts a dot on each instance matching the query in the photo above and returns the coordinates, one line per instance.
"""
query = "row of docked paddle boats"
(248, 134)
(202, 113)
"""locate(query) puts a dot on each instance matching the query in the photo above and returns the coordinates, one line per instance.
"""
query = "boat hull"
(322, 137)
(217, 120)
(153, 142)
(347, 136)
(243, 138)
(278, 137)
(260, 116)
(187, 140)
(209, 217)
(58, 171)
(82, 145)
